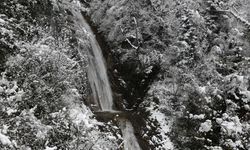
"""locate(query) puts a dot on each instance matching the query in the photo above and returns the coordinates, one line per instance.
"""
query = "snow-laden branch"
(130, 43)
(235, 14)
(241, 19)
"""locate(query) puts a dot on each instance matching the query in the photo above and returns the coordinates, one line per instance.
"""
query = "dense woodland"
(182, 67)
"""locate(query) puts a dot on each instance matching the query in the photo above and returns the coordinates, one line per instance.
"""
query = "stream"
(100, 85)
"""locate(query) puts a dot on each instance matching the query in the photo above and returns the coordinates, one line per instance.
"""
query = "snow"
(6, 31)
(233, 144)
(149, 70)
(13, 89)
(78, 112)
(41, 134)
(247, 95)
(219, 120)
(164, 128)
(161, 118)
(110, 137)
(10, 111)
(247, 107)
(5, 129)
(1, 90)
(4, 139)
(215, 148)
(231, 127)
(2, 21)
(78, 116)
(206, 126)
(157, 113)
(216, 49)
(202, 90)
(51, 148)
(199, 117)
(3, 81)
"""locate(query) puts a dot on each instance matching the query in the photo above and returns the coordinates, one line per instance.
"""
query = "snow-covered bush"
(43, 88)
(70, 127)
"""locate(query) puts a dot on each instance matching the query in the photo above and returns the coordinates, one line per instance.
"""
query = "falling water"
(100, 86)
(97, 72)
(130, 142)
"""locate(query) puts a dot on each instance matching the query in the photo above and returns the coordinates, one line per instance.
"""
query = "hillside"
(179, 72)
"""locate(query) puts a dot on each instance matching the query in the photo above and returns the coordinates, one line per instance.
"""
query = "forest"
(124, 75)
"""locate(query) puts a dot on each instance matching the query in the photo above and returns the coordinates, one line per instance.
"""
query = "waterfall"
(98, 79)
(97, 71)
(130, 142)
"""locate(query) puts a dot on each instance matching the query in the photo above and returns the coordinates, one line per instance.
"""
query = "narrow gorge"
(101, 89)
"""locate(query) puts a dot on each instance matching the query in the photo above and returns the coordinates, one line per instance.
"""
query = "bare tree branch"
(130, 43)
(136, 31)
